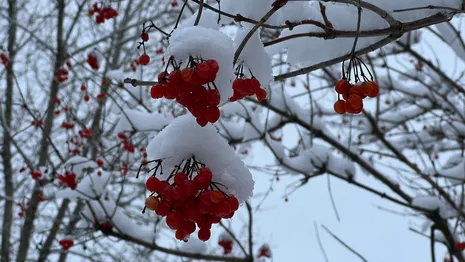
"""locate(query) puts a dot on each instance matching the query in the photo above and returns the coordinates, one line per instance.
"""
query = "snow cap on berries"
(207, 44)
(184, 138)
(253, 56)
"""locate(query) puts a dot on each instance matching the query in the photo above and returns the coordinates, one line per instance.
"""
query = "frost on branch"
(433, 203)
(105, 210)
(313, 50)
(208, 44)
(131, 120)
(184, 138)
(253, 56)
(93, 182)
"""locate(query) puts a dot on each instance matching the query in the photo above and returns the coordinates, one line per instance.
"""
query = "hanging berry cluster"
(192, 87)
(69, 179)
(66, 243)
(192, 200)
(92, 60)
(353, 94)
(103, 13)
(225, 241)
(127, 145)
(4, 59)
(243, 87)
(264, 251)
(62, 75)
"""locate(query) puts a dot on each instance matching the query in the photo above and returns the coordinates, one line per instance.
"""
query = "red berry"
(216, 196)
(163, 209)
(202, 121)
(212, 114)
(180, 235)
(145, 37)
(174, 4)
(204, 178)
(190, 188)
(355, 101)
(179, 194)
(223, 209)
(152, 184)
(157, 91)
(214, 67)
(162, 77)
(374, 90)
(180, 178)
(261, 94)
(174, 220)
(162, 187)
(234, 203)
(204, 234)
(144, 59)
(358, 90)
(99, 162)
(342, 87)
(188, 227)
(213, 97)
(340, 107)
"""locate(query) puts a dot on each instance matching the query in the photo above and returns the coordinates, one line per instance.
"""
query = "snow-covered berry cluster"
(66, 243)
(243, 87)
(103, 13)
(192, 87)
(69, 179)
(192, 200)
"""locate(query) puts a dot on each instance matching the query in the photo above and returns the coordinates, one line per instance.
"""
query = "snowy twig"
(429, 7)
(253, 30)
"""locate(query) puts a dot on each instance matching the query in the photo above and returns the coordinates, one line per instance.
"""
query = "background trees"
(405, 147)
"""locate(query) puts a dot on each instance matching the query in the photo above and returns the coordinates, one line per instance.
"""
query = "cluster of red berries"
(35, 174)
(353, 96)
(264, 251)
(67, 125)
(40, 198)
(243, 87)
(104, 13)
(105, 227)
(127, 145)
(37, 123)
(460, 246)
(69, 179)
(187, 87)
(4, 59)
(86, 133)
(188, 202)
(62, 75)
(66, 243)
(225, 241)
(92, 60)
